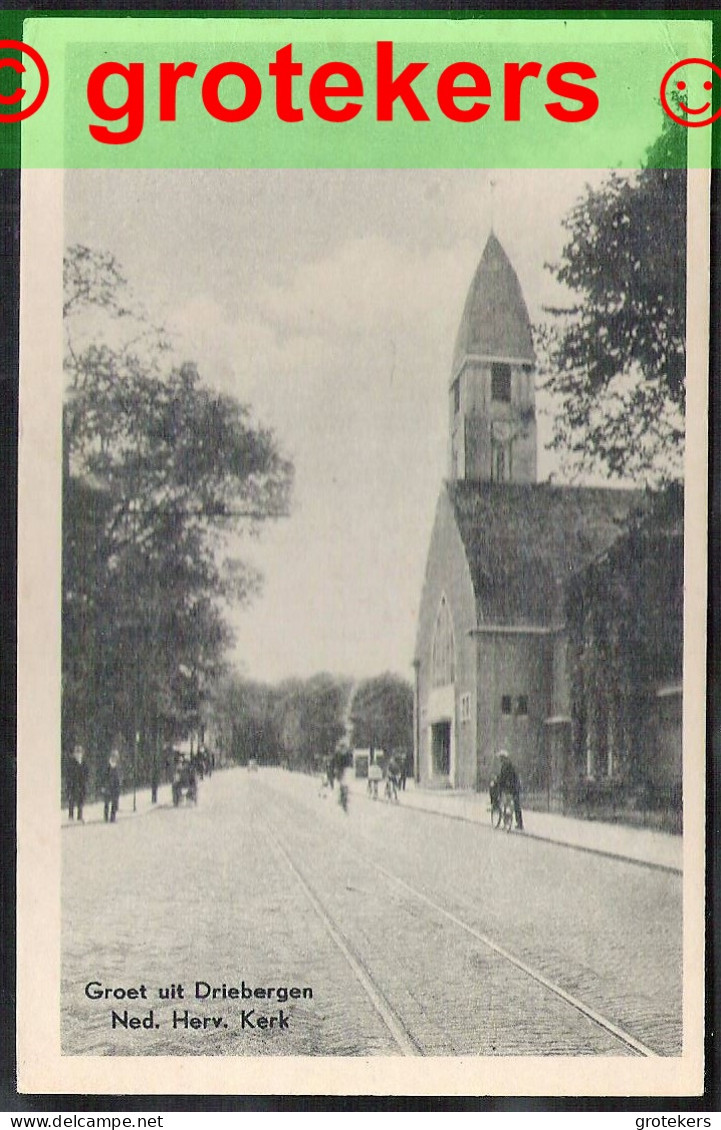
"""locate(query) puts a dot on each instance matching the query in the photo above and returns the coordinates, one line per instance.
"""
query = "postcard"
(362, 558)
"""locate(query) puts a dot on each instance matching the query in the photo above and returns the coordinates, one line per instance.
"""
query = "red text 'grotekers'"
(338, 92)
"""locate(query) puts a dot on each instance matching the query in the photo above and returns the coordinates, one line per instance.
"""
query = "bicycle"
(502, 812)
(391, 790)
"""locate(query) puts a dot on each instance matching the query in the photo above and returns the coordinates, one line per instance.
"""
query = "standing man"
(77, 782)
(111, 787)
(404, 771)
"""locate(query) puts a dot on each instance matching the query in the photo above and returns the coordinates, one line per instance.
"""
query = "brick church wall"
(448, 573)
(515, 667)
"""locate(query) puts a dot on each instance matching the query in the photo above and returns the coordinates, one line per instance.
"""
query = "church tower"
(492, 405)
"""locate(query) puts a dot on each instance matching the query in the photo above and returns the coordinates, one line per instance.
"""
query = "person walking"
(77, 782)
(393, 773)
(403, 772)
(111, 787)
(375, 774)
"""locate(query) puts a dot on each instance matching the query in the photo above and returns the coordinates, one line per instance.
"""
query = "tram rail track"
(408, 1041)
(586, 1010)
(393, 1022)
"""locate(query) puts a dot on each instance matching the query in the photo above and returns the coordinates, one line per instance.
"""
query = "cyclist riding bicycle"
(507, 781)
(375, 775)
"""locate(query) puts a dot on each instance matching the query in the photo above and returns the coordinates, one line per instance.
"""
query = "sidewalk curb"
(123, 815)
(668, 867)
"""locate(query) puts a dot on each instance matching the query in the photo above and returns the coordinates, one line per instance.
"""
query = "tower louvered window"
(443, 669)
(501, 381)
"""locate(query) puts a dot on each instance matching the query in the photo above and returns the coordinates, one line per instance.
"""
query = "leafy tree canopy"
(299, 722)
(382, 714)
(615, 354)
(161, 475)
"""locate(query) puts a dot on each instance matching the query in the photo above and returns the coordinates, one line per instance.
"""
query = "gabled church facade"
(491, 659)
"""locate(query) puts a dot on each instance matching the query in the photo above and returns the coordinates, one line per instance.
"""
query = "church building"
(492, 647)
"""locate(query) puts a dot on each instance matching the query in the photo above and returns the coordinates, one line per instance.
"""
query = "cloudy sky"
(329, 301)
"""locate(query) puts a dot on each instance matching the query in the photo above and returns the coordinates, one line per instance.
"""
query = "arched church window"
(443, 666)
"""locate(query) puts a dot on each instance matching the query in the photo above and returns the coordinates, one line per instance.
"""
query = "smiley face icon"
(694, 91)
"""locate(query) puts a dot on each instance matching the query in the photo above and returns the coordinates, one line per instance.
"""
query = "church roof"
(525, 541)
(495, 320)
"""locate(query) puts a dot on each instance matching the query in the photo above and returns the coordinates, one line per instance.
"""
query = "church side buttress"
(492, 404)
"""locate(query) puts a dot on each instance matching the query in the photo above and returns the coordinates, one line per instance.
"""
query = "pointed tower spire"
(492, 391)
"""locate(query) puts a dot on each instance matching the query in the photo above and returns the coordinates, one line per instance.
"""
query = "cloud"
(348, 360)
(366, 286)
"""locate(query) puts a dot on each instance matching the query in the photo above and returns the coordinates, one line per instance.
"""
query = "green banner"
(475, 92)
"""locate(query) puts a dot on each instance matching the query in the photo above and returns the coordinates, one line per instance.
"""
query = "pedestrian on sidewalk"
(77, 782)
(393, 775)
(507, 781)
(403, 772)
(111, 786)
(375, 774)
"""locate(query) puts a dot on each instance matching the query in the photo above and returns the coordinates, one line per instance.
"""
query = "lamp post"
(154, 777)
(136, 743)
(132, 631)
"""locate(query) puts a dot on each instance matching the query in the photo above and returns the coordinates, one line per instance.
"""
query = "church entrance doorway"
(441, 748)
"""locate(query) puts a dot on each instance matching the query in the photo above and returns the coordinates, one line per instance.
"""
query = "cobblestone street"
(383, 931)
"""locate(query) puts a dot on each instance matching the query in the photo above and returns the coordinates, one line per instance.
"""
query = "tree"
(175, 471)
(624, 615)
(299, 722)
(615, 356)
(246, 713)
(325, 702)
(382, 714)
(311, 717)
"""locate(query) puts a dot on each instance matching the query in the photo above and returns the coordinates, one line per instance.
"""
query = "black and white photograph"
(374, 649)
